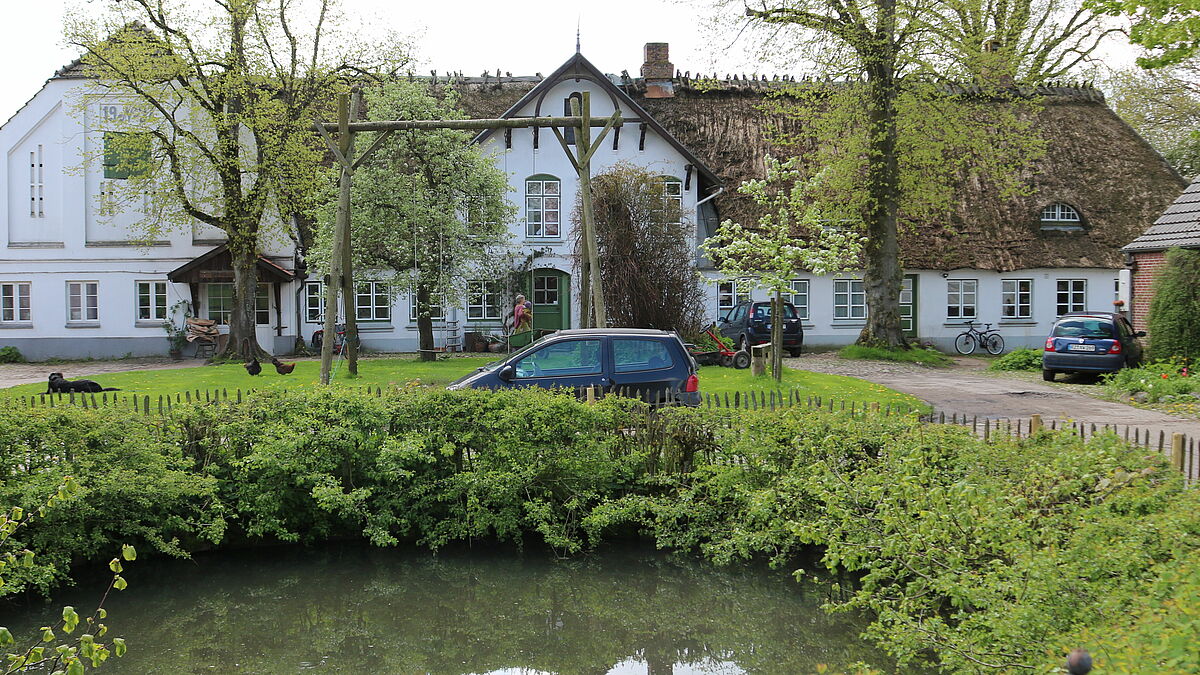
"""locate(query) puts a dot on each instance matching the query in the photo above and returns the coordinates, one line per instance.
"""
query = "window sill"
(125, 244)
(36, 244)
(1018, 322)
(83, 324)
(15, 324)
(150, 323)
(375, 327)
(855, 323)
(544, 240)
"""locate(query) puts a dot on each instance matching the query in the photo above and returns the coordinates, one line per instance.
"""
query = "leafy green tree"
(430, 209)
(216, 102)
(1163, 105)
(877, 133)
(1174, 331)
(794, 232)
(74, 653)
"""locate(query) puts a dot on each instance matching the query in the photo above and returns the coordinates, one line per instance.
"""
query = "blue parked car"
(1091, 342)
(651, 364)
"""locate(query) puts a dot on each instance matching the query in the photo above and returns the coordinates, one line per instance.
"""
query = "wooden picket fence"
(1180, 448)
(1183, 451)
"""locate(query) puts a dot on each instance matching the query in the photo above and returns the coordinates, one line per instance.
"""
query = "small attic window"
(1060, 216)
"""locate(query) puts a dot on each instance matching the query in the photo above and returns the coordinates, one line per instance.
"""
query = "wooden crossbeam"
(506, 123)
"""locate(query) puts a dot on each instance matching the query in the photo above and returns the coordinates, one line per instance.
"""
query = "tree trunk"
(777, 319)
(424, 324)
(882, 273)
(243, 343)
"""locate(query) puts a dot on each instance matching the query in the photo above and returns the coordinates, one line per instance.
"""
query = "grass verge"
(925, 357)
(392, 372)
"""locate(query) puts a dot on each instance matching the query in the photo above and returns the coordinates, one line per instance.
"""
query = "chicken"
(254, 367)
(282, 368)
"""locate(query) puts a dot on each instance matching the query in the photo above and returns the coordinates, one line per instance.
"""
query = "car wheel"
(744, 344)
(741, 360)
(1048, 375)
(794, 353)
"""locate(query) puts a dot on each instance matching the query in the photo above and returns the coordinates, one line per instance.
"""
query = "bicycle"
(972, 337)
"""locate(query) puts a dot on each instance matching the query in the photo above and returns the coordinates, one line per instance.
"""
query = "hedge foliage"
(1172, 324)
(1022, 358)
(973, 556)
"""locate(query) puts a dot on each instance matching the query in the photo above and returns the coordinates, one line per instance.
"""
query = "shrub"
(11, 354)
(927, 357)
(1173, 326)
(1158, 380)
(1019, 359)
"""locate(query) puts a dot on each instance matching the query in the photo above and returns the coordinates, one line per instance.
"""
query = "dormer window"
(1060, 216)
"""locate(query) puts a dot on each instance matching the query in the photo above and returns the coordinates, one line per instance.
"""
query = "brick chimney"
(658, 72)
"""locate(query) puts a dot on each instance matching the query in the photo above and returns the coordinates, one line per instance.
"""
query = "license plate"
(1081, 348)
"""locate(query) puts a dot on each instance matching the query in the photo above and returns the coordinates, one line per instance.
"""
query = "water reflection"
(360, 610)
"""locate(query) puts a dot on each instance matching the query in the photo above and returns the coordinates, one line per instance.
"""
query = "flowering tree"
(793, 233)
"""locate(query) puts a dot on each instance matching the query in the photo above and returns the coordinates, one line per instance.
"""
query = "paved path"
(965, 390)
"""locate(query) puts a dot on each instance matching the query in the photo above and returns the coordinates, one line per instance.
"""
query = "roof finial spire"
(577, 33)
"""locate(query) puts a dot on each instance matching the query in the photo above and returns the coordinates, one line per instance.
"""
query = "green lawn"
(386, 372)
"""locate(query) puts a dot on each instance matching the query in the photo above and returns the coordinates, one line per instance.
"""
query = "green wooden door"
(550, 293)
(908, 305)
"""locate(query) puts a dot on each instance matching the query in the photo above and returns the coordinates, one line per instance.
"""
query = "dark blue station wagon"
(654, 364)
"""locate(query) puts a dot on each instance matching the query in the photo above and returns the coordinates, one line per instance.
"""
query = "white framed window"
(14, 302)
(1116, 290)
(483, 301)
(436, 311)
(219, 303)
(1016, 298)
(1060, 216)
(672, 198)
(798, 297)
(372, 301)
(961, 298)
(37, 182)
(543, 206)
(728, 296)
(314, 302)
(1060, 213)
(849, 299)
(151, 301)
(83, 301)
(262, 305)
(1071, 296)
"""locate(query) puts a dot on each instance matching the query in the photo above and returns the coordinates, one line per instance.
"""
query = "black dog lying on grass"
(59, 385)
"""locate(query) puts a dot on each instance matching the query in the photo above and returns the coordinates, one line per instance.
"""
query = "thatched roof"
(1094, 162)
(1178, 226)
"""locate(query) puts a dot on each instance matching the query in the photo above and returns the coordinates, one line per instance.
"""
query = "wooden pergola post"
(341, 272)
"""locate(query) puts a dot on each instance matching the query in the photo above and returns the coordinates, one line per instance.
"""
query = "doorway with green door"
(550, 292)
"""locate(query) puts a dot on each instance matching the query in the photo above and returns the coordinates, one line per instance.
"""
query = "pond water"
(365, 610)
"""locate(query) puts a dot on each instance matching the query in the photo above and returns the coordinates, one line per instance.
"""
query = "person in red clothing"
(522, 315)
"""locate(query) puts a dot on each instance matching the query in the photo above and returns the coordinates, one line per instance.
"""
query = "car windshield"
(1084, 328)
(764, 312)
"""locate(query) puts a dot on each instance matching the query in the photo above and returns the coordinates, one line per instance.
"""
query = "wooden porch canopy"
(217, 266)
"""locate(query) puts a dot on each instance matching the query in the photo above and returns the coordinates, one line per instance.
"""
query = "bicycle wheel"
(994, 344)
(965, 343)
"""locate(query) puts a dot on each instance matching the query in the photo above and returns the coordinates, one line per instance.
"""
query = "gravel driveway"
(964, 389)
(12, 374)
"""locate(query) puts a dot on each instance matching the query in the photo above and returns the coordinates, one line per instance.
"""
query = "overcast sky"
(466, 35)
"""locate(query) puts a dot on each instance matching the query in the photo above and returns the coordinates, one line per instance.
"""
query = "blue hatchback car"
(651, 364)
(1091, 342)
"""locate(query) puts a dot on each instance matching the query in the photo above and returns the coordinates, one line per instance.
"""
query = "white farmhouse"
(72, 284)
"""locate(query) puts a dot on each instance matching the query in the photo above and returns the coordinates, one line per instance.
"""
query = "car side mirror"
(506, 373)
(722, 320)
(1140, 333)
